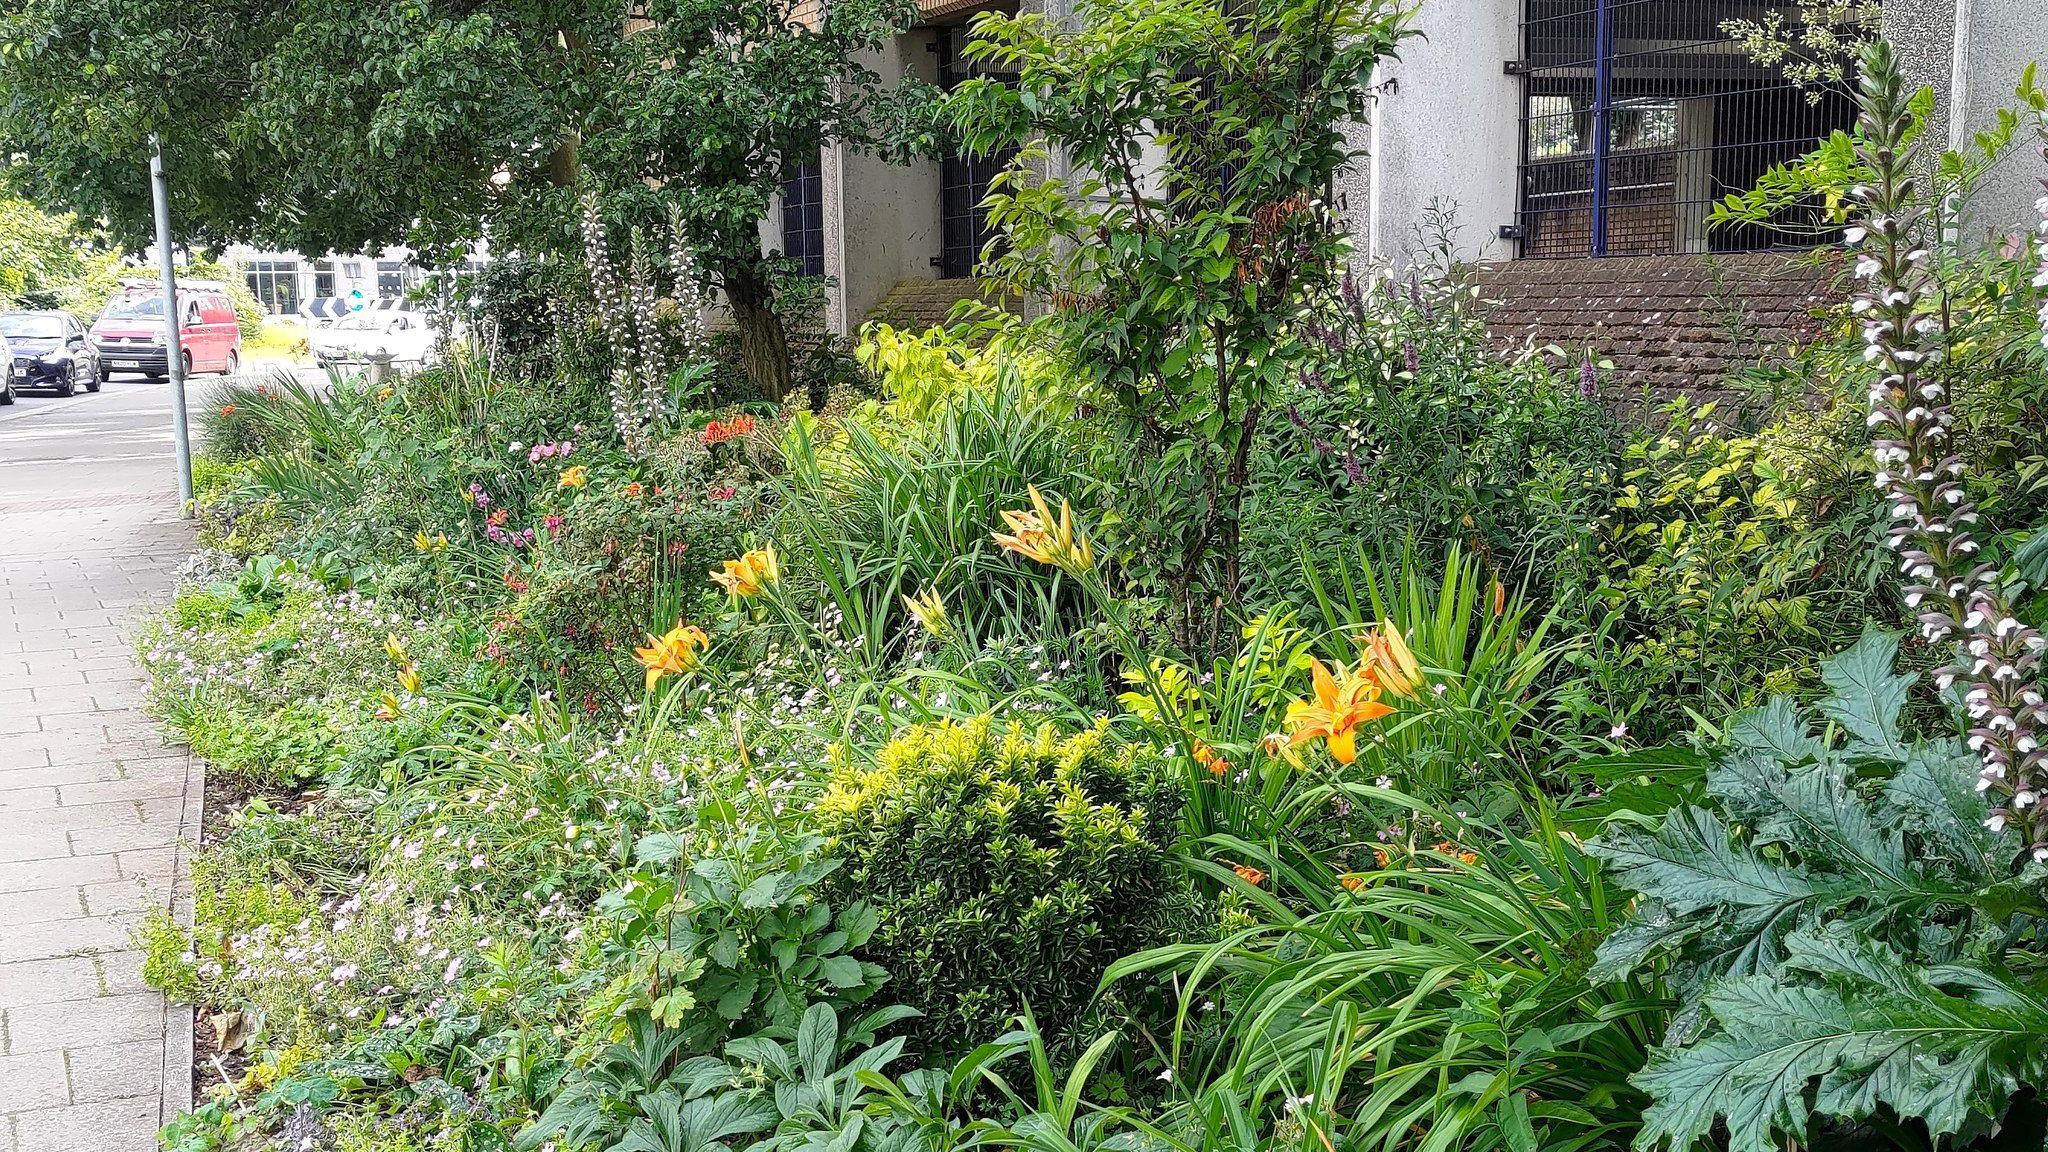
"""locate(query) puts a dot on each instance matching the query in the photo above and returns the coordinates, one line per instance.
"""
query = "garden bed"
(1241, 708)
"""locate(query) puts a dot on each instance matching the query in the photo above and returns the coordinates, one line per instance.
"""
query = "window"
(803, 218)
(1639, 115)
(390, 279)
(964, 180)
(275, 284)
(323, 279)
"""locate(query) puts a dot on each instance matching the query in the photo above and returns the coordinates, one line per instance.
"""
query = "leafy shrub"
(621, 561)
(1722, 564)
(735, 936)
(1839, 915)
(167, 961)
(1407, 425)
(1010, 867)
(534, 315)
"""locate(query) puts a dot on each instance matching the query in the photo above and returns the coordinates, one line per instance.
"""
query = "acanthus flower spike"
(1954, 597)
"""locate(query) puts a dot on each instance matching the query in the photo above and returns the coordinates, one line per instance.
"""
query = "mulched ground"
(225, 795)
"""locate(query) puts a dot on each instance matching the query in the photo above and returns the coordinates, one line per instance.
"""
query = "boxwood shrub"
(1010, 864)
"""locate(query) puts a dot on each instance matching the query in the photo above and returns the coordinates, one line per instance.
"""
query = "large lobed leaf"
(1868, 1029)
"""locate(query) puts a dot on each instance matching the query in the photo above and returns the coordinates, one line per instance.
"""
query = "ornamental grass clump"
(1011, 866)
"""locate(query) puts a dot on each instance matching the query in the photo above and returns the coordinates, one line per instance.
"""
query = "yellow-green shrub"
(1010, 866)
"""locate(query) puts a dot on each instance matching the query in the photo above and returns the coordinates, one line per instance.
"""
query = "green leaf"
(1867, 696)
(859, 921)
(763, 892)
(817, 1041)
(1935, 797)
(1689, 865)
(1866, 1029)
(841, 972)
(1777, 730)
(1511, 1114)
(1652, 928)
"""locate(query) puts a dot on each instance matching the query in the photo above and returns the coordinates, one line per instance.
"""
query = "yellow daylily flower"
(672, 653)
(1036, 535)
(438, 542)
(409, 679)
(574, 476)
(387, 707)
(394, 648)
(1392, 663)
(750, 575)
(1344, 700)
(930, 612)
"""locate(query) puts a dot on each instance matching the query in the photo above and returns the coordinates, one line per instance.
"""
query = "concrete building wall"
(1972, 52)
(881, 219)
(1445, 126)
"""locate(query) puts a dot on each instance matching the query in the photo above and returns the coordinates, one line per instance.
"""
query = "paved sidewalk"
(93, 805)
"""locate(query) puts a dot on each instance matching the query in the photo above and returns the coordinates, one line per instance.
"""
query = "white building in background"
(1497, 108)
(1578, 144)
(289, 284)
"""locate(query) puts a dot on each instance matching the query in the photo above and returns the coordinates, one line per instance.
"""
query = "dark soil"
(225, 795)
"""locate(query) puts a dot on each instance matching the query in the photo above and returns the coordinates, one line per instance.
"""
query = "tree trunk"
(764, 344)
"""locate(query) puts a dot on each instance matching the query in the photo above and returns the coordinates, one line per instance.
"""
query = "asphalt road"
(113, 446)
(112, 443)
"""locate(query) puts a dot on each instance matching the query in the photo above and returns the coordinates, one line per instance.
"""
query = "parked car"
(129, 335)
(401, 334)
(46, 350)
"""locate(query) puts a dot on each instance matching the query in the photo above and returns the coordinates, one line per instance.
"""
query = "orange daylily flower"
(672, 653)
(750, 575)
(1036, 535)
(1343, 701)
(1352, 883)
(1249, 874)
(1393, 664)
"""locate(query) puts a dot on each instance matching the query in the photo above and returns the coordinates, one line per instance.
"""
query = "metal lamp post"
(174, 353)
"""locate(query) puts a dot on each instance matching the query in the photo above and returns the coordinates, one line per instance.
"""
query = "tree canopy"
(345, 127)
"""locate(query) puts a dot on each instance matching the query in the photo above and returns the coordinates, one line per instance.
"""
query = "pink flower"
(554, 524)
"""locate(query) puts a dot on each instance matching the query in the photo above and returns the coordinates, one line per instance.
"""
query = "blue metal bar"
(1603, 74)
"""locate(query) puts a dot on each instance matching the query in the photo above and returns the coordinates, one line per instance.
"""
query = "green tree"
(339, 127)
(1203, 138)
(47, 261)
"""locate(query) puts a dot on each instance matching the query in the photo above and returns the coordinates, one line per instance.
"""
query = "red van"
(129, 334)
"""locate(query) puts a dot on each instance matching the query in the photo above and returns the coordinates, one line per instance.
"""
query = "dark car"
(48, 350)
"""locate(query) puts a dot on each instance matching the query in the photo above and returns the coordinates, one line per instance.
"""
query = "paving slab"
(94, 806)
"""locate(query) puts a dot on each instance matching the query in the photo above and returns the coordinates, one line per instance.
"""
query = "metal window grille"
(1638, 115)
(803, 218)
(964, 178)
